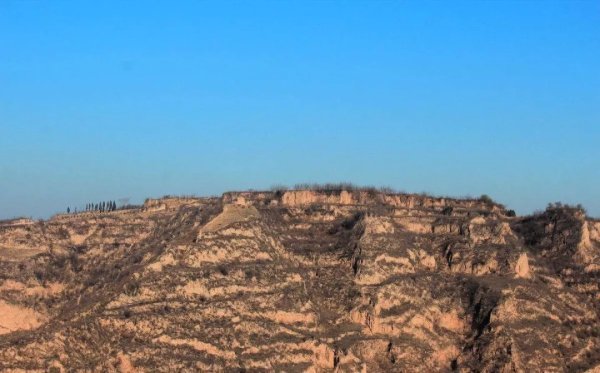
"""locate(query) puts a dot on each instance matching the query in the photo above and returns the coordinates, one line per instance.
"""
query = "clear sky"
(111, 99)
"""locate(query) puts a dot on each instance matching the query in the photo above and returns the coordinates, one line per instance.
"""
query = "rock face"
(312, 281)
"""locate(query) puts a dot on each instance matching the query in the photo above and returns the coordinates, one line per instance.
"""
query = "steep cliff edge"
(302, 280)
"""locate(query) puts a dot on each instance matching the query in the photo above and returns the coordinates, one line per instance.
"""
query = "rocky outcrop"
(350, 280)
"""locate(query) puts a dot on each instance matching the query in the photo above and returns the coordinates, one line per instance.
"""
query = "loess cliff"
(317, 281)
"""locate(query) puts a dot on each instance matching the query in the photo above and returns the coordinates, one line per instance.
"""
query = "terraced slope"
(302, 281)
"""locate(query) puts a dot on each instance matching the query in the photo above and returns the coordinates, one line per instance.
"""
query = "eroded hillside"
(302, 281)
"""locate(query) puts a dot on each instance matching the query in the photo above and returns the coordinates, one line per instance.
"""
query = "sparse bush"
(344, 186)
(90, 281)
(486, 199)
(279, 188)
(132, 289)
(387, 190)
(223, 270)
(511, 213)
(354, 293)
(137, 258)
(327, 187)
(351, 222)
(250, 273)
(130, 207)
(556, 206)
(39, 275)
(447, 211)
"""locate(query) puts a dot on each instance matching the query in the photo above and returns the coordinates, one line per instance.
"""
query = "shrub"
(132, 289)
(447, 210)
(387, 190)
(556, 206)
(486, 199)
(223, 270)
(328, 187)
(279, 188)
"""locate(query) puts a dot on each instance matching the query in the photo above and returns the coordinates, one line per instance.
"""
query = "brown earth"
(311, 281)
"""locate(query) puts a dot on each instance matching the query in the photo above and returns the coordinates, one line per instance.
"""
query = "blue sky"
(112, 99)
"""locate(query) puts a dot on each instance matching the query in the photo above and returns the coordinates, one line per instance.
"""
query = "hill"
(302, 280)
